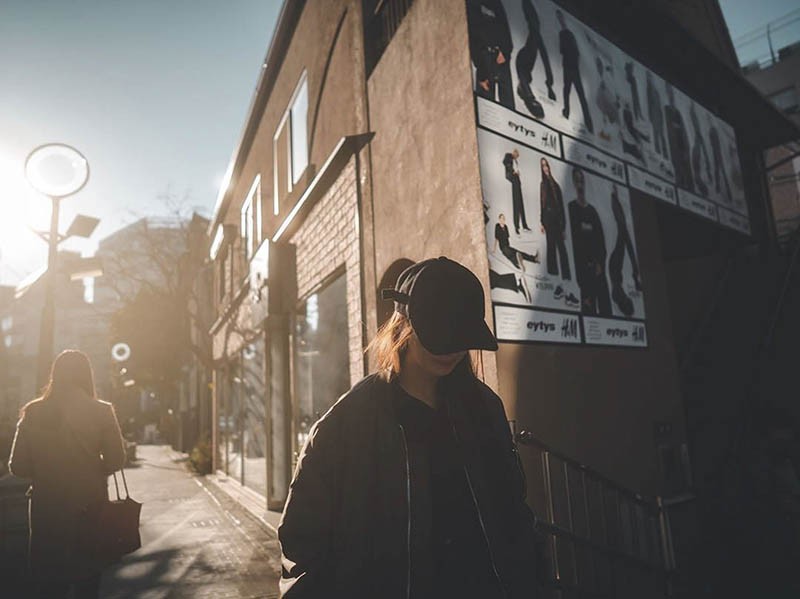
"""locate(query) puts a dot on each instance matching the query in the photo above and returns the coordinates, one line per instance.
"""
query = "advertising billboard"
(568, 124)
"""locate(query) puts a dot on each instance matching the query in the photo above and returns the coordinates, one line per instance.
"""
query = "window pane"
(280, 417)
(234, 423)
(280, 151)
(253, 430)
(321, 355)
(220, 389)
(299, 122)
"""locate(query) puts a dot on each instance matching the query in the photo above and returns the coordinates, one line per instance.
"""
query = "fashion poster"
(533, 58)
(561, 249)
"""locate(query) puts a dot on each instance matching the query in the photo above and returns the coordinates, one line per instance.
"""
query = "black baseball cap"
(444, 302)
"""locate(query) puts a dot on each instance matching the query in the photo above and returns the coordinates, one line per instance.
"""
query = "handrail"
(631, 529)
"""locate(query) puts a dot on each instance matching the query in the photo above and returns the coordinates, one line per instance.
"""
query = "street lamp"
(57, 171)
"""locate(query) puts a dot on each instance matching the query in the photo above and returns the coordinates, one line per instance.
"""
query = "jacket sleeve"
(305, 528)
(111, 443)
(20, 462)
(527, 541)
(508, 162)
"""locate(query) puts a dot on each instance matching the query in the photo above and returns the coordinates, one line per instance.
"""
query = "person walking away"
(490, 48)
(570, 56)
(526, 59)
(511, 164)
(410, 486)
(67, 442)
(553, 222)
(588, 250)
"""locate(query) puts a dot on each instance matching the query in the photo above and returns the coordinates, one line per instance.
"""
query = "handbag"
(117, 524)
(110, 529)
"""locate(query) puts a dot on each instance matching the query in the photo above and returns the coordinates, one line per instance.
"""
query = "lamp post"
(57, 171)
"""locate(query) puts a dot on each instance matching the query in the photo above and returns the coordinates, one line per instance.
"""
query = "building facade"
(779, 81)
(382, 133)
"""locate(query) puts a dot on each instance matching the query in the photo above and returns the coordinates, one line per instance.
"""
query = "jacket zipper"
(408, 503)
(480, 517)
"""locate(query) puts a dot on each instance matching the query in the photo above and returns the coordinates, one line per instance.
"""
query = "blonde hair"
(389, 345)
(388, 349)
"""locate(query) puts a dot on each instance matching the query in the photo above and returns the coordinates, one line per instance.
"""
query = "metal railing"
(601, 540)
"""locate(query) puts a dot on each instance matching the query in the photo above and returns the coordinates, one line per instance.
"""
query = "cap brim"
(484, 338)
(474, 336)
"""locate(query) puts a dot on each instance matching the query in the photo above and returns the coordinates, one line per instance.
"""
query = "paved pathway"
(196, 542)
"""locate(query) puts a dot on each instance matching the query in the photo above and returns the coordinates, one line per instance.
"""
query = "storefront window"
(234, 421)
(254, 418)
(321, 356)
(220, 390)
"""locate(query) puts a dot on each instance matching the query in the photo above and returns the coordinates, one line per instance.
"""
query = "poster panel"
(523, 324)
(533, 58)
(560, 239)
(604, 331)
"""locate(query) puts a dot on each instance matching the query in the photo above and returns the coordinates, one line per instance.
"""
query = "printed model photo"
(527, 233)
(533, 57)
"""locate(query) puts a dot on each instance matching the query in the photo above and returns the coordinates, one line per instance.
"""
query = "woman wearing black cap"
(410, 485)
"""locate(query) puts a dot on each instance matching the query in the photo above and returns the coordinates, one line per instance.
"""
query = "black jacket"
(346, 528)
(551, 204)
(508, 163)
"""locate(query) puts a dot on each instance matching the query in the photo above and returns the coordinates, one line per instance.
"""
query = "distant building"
(779, 81)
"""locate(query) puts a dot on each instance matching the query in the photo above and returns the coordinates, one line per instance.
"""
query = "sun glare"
(21, 208)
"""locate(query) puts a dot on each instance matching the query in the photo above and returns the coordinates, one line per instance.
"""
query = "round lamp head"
(56, 170)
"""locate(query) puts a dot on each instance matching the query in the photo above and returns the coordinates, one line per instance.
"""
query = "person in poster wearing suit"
(719, 164)
(526, 59)
(570, 56)
(656, 115)
(588, 250)
(553, 222)
(623, 245)
(678, 142)
(511, 164)
(699, 152)
(490, 47)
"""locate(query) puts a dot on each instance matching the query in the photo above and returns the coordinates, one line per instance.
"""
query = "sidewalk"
(196, 541)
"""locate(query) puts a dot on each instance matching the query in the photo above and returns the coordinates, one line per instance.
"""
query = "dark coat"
(346, 528)
(488, 32)
(552, 207)
(67, 446)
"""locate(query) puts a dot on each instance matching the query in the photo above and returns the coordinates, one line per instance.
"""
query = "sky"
(154, 93)
(751, 16)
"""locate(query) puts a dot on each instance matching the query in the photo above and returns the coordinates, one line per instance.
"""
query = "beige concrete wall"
(425, 175)
(597, 405)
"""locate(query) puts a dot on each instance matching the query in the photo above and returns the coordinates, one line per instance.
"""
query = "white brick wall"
(328, 239)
